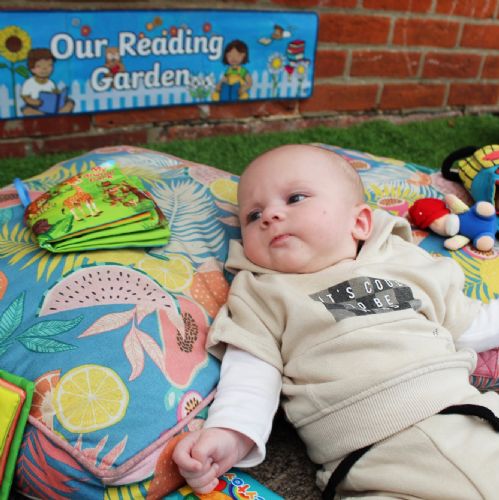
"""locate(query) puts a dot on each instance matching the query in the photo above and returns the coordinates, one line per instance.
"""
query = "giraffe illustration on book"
(81, 204)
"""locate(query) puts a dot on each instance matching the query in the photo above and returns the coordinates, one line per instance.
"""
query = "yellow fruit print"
(174, 272)
(89, 398)
(225, 190)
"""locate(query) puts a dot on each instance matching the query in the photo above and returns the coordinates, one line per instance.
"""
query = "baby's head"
(301, 209)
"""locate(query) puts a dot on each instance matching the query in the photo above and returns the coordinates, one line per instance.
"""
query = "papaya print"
(209, 287)
(37, 337)
(184, 351)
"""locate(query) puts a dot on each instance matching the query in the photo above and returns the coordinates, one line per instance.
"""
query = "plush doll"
(453, 218)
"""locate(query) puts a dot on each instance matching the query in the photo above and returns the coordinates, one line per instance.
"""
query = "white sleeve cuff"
(483, 334)
(247, 398)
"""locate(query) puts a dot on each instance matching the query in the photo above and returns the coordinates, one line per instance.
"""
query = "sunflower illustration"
(15, 44)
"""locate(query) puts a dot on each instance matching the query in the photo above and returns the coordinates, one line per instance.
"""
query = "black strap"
(474, 411)
(349, 461)
(341, 471)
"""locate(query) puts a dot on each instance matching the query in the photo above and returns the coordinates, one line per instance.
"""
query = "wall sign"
(85, 61)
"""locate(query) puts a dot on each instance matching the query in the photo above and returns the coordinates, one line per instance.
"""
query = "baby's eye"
(295, 198)
(253, 216)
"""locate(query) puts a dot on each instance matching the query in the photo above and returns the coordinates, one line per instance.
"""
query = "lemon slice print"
(225, 189)
(90, 397)
(174, 273)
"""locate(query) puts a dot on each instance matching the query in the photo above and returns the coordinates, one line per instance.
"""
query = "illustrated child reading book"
(39, 92)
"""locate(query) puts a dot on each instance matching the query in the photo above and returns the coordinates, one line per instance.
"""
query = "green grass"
(425, 142)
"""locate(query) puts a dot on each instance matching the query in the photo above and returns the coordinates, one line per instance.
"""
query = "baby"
(368, 338)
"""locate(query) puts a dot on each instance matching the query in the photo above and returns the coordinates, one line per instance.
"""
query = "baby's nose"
(271, 214)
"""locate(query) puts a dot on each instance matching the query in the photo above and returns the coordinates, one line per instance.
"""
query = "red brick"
(329, 63)
(296, 3)
(343, 28)
(231, 128)
(36, 127)
(150, 115)
(388, 64)
(405, 96)
(11, 149)
(466, 8)
(491, 67)
(327, 97)
(252, 109)
(473, 94)
(446, 65)
(338, 3)
(425, 32)
(190, 132)
(480, 36)
(87, 142)
(400, 5)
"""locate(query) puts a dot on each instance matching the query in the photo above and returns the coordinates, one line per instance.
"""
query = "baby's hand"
(204, 455)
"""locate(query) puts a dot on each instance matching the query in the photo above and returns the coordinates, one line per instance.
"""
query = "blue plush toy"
(453, 218)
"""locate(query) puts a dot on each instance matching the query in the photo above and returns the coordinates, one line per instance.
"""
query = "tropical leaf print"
(36, 338)
(19, 243)
(481, 273)
(16, 243)
(93, 454)
(192, 217)
(11, 318)
(56, 174)
(37, 475)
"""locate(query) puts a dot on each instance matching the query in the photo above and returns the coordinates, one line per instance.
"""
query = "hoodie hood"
(384, 225)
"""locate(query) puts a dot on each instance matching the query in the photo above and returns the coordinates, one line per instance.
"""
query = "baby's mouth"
(279, 239)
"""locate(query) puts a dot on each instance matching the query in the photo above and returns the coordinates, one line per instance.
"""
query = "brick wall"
(395, 58)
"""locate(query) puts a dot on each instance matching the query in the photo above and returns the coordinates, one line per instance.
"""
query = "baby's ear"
(363, 222)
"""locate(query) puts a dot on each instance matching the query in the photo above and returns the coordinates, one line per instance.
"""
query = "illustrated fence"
(265, 85)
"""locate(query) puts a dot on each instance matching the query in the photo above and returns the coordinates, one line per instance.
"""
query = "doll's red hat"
(423, 212)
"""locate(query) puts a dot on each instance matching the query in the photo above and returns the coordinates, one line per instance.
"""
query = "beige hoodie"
(365, 347)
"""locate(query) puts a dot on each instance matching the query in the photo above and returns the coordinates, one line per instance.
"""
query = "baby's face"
(297, 211)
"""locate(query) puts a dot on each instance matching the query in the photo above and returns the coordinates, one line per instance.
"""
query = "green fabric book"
(98, 209)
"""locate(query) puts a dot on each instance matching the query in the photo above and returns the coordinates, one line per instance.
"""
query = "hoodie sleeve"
(246, 322)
